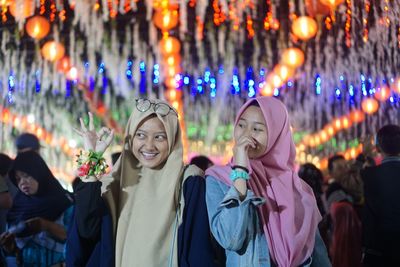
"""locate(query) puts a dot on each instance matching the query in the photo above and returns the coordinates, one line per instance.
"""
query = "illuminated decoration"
(382, 93)
(22, 9)
(64, 64)
(293, 57)
(283, 71)
(275, 80)
(166, 19)
(396, 86)
(267, 90)
(316, 8)
(72, 74)
(170, 45)
(331, 3)
(24, 124)
(369, 105)
(37, 27)
(345, 122)
(173, 59)
(357, 116)
(209, 53)
(304, 28)
(53, 51)
(337, 124)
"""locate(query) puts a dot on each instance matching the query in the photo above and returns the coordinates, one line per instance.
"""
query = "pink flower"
(83, 170)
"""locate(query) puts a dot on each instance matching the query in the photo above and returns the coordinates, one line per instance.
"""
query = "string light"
(219, 16)
(348, 24)
(367, 7)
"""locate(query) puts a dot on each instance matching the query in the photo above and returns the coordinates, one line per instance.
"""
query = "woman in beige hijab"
(156, 205)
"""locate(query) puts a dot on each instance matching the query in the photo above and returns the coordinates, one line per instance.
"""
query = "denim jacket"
(236, 226)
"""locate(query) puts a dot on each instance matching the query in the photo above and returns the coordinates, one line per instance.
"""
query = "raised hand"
(92, 140)
(240, 150)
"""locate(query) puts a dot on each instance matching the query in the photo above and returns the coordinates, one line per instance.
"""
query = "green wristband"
(238, 174)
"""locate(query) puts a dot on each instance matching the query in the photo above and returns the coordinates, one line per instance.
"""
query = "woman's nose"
(149, 143)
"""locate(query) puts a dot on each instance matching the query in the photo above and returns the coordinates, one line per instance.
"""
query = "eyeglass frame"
(155, 106)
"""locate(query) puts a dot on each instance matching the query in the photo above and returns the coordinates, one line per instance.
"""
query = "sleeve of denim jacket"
(320, 254)
(229, 216)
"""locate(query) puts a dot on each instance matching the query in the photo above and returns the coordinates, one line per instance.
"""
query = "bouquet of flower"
(91, 164)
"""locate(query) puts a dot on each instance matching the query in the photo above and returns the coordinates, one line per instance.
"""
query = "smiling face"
(26, 183)
(150, 143)
(252, 124)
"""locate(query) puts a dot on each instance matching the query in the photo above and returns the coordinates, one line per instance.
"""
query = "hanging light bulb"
(304, 27)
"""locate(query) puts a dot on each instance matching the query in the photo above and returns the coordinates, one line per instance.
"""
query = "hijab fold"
(290, 215)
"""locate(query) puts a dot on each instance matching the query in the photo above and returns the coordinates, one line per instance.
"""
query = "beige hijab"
(144, 201)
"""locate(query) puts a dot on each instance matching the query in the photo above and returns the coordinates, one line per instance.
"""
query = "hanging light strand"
(348, 24)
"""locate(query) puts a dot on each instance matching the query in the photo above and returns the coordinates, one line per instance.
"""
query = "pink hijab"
(290, 215)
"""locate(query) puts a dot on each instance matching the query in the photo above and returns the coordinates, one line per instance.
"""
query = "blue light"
(262, 72)
(207, 74)
(199, 81)
(221, 69)
(251, 83)
(101, 70)
(86, 65)
(200, 89)
(213, 94)
(260, 85)
(186, 80)
(252, 92)
(11, 82)
(155, 81)
(337, 92)
(156, 66)
(178, 77)
(290, 84)
(391, 99)
(10, 97)
(37, 86)
(276, 92)
(362, 77)
(351, 90)
(102, 65)
(156, 73)
(212, 86)
(212, 80)
(341, 77)
(318, 82)
(130, 63)
(142, 66)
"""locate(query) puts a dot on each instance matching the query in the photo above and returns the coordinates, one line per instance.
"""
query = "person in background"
(39, 216)
(338, 169)
(27, 142)
(345, 250)
(5, 197)
(381, 220)
(202, 162)
(314, 178)
(260, 211)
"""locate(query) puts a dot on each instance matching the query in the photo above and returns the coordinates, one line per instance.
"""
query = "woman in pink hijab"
(260, 211)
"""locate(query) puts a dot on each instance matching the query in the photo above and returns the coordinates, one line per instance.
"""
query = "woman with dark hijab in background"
(40, 213)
